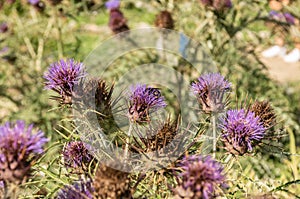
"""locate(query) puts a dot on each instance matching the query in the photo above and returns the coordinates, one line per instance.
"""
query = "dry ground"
(281, 71)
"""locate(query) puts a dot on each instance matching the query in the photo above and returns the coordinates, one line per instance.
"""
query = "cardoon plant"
(241, 131)
(62, 76)
(143, 101)
(211, 90)
(19, 148)
(201, 177)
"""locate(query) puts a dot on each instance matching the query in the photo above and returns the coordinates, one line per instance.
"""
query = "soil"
(281, 71)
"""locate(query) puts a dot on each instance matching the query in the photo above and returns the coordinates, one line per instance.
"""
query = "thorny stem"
(128, 140)
(214, 129)
(228, 158)
(10, 191)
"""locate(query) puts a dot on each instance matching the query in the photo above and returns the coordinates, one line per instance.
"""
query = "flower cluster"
(210, 90)
(143, 101)
(200, 177)
(62, 76)
(241, 131)
(19, 147)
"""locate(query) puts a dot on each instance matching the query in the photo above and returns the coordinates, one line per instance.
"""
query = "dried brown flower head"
(265, 112)
(110, 183)
(164, 20)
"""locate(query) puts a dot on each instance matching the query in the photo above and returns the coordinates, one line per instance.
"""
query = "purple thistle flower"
(3, 27)
(19, 147)
(289, 18)
(210, 90)
(112, 4)
(79, 190)
(276, 15)
(76, 155)
(228, 3)
(62, 76)
(241, 131)
(200, 177)
(4, 50)
(33, 2)
(143, 101)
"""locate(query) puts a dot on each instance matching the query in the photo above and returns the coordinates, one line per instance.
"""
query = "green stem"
(214, 129)
(60, 45)
(128, 140)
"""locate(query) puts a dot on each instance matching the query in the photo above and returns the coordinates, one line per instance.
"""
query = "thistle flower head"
(117, 21)
(164, 20)
(289, 18)
(143, 101)
(103, 99)
(265, 112)
(274, 14)
(62, 76)
(19, 147)
(111, 183)
(210, 90)
(79, 190)
(222, 4)
(207, 2)
(217, 4)
(282, 17)
(76, 155)
(241, 131)
(3, 27)
(112, 4)
(160, 137)
(200, 178)
(33, 2)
